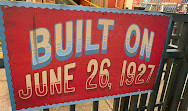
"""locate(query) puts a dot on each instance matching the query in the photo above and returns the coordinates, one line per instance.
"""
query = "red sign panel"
(59, 55)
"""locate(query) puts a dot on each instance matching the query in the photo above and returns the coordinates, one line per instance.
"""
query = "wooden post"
(129, 4)
(125, 4)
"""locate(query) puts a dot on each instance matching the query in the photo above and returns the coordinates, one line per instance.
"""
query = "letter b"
(40, 47)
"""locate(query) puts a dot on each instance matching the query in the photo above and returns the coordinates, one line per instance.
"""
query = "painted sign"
(60, 55)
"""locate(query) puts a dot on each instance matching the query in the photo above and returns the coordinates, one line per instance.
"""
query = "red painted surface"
(111, 3)
(19, 21)
(121, 4)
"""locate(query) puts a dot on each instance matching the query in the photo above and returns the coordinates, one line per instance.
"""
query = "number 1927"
(131, 73)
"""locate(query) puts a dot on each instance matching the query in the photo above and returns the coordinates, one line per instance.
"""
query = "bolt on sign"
(59, 55)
